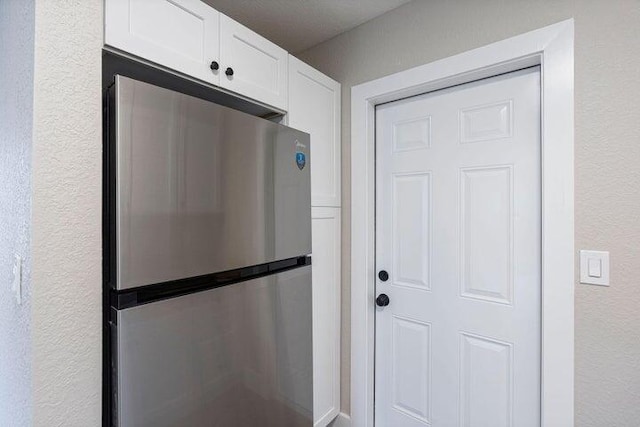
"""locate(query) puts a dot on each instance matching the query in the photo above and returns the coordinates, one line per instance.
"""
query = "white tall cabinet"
(314, 107)
(191, 38)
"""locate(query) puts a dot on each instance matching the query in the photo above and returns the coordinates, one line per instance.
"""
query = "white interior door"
(458, 230)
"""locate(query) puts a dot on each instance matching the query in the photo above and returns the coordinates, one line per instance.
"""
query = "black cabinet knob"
(214, 65)
(383, 275)
(382, 300)
(229, 71)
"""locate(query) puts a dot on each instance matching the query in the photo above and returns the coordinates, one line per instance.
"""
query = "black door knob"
(383, 275)
(214, 65)
(382, 300)
(229, 71)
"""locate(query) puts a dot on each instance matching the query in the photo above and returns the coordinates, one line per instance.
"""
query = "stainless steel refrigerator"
(207, 266)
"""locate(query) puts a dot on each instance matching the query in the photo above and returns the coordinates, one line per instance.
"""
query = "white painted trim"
(551, 48)
(342, 420)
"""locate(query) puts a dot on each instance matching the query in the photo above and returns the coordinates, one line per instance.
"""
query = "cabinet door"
(259, 66)
(314, 107)
(179, 34)
(326, 314)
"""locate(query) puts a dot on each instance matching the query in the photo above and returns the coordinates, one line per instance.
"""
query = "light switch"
(594, 268)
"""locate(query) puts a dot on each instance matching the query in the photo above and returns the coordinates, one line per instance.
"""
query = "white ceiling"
(300, 24)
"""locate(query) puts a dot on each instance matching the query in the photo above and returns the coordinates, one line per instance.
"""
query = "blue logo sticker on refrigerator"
(301, 159)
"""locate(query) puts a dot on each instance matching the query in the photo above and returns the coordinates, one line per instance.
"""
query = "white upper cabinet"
(314, 107)
(252, 65)
(179, 34)
(193, 38)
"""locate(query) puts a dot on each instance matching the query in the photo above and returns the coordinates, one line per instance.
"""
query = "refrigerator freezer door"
(235, 356)
(201, 188)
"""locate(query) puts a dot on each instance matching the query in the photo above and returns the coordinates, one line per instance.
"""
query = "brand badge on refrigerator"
(301, 160)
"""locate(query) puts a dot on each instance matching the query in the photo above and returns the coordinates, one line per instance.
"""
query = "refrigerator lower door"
(240, 355)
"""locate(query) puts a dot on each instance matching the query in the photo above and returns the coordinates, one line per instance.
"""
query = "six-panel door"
(458, 230)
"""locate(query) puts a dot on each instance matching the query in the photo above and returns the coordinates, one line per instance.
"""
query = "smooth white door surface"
(458, 230)
(314, 107)
(179, 34)
(325, 226)
(259, 66)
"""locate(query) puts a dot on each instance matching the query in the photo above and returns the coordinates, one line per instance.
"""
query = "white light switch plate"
(594, 268)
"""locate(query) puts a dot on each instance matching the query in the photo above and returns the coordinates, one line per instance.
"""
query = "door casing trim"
(552, 48)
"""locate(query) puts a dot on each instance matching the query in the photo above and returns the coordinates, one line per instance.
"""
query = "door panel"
(411, 368)
(486, 381)
(486, 233)
(411, 230)
(458, 230)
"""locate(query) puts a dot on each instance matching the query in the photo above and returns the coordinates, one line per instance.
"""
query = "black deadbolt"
(382, 300)
(214, 65)
(383, 275)
(229, 71)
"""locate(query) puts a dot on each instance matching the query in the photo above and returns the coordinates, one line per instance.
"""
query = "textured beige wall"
(66, 319)
(607, 159)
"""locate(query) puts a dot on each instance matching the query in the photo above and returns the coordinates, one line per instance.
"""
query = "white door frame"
(551, 48)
